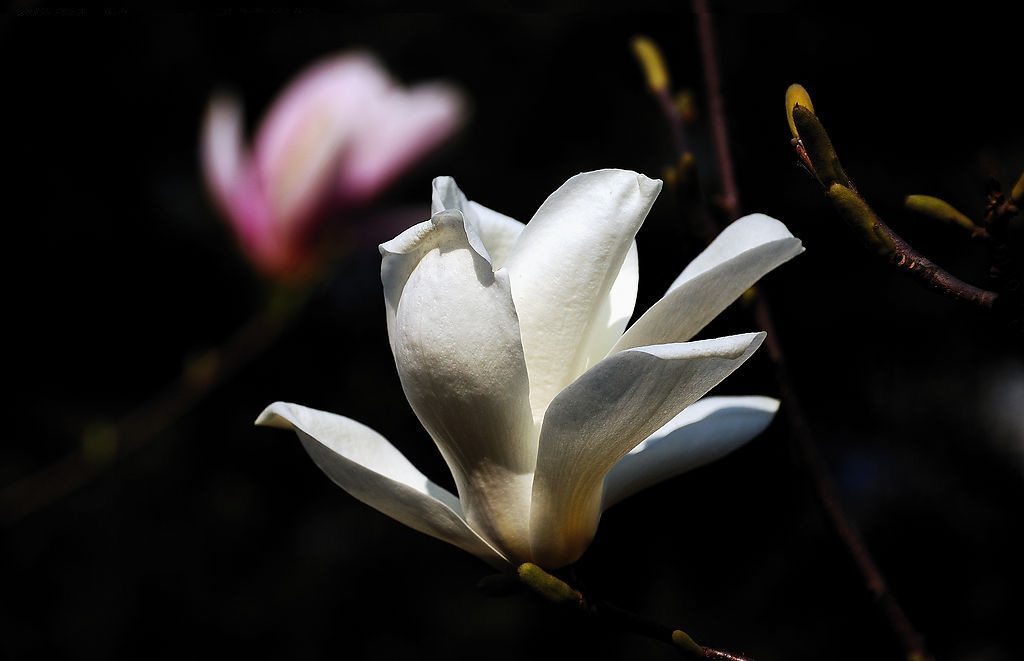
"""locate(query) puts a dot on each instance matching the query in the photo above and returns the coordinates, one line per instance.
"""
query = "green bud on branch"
(854, 210)
(821, 155)
(1017, 194)
(938, 209)
(547, 586)
(796, 95)
(652, 62)
(682, 640)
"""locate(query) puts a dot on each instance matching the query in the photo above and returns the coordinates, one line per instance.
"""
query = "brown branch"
(815, 150)
(555, 590)
(913, 644)
(888, 244)
(730, 199)
(101, 448)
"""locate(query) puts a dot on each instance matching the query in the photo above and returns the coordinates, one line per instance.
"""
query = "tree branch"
(561, 593)
(103, 445)
(912, 642)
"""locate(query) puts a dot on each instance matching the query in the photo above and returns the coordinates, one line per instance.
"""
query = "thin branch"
(814, 147)
(559, 592)
(101, 448)
(730, 199)
(913, 644)
(888, 244)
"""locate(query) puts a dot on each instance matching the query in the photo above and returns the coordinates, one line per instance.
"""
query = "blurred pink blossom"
(338, 135)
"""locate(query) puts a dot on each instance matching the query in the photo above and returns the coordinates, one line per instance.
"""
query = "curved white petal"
(364, 464)
(400, 257)
(744, 252)
(604, 414)
(497, 232)
(741, 235)
(563, 267)
(701, 433)
(614, 311)
(456, 343)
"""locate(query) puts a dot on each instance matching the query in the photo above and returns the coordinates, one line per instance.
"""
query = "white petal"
(400, 257)
(602, 416)
(739, 236)
(563, 268)
(364, 464)
(701, 433)
(497, 232)
(744, 252)
(456, 342)
(614, 311)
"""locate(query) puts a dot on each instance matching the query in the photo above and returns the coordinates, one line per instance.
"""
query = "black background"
(221, 538)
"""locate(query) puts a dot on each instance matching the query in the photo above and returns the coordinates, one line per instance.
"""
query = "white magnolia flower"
(509, 342)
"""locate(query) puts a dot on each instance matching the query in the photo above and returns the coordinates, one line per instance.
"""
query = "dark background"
(217, 537)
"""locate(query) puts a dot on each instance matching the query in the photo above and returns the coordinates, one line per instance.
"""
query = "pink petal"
(236, 188)
(222, 153)
(300, 141)
(397, 130)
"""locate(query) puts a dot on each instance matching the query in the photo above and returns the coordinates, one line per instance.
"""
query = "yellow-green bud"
(546, 585)
(686, 105)
(796, 95)
(1017, 194)
(649, 55)
(818, 147)
(682, 640)
(938, 209)
(856, 211)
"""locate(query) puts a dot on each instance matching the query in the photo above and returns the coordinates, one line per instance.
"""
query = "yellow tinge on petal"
(306, 164)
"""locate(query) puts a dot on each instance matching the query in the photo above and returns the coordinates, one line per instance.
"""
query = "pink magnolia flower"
(338, 135)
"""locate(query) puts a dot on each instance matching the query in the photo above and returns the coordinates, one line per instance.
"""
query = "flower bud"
(1017, 194)
(938, 209)
(546, 585)
(682, 640)
(854, 210)
(653, 64)
(330, 143)
(821, 156)
(796, 95)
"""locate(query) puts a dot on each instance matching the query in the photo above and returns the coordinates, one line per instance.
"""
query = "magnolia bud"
(796, 95)
(653, 63)
(938, 209)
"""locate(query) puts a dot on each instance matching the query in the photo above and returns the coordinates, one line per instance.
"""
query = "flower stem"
(559, 592)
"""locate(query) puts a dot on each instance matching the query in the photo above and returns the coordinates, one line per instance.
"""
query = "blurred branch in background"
(727, 206)
(102, 445)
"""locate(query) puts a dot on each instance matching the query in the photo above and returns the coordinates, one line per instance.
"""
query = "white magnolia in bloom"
(510, 345)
